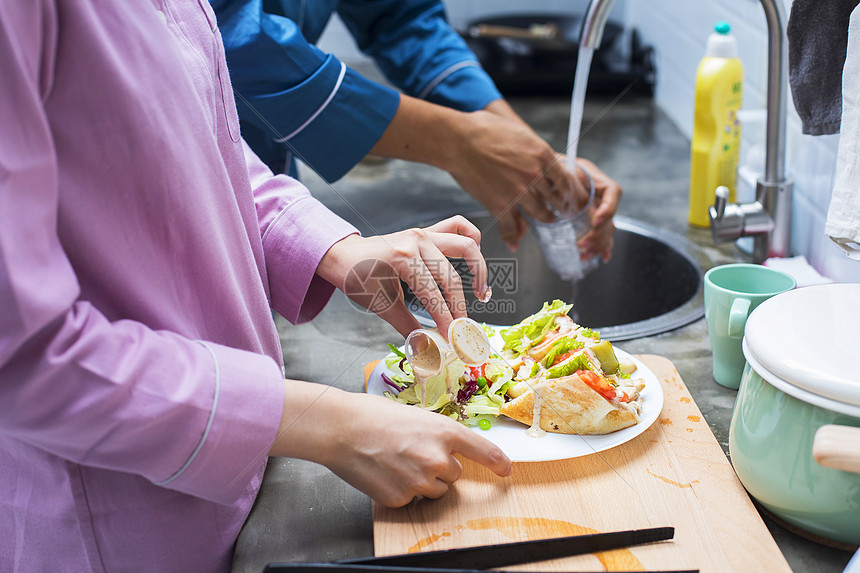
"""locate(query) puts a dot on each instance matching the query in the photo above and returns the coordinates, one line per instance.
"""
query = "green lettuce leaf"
(498, 372)
(530, 331)
(482, 404)
(439, 391)
(396, 351)
(560, 346)
(569, 366)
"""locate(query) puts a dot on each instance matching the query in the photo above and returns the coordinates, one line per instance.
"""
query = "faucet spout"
(595, 22)
(768, 218)
(774, 190)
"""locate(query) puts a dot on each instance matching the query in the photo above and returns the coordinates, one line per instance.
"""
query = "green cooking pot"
(794, 438)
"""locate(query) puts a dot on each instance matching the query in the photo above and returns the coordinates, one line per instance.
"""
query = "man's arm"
(497, 158)
(419, 52)
(290, 92)
(300, 96)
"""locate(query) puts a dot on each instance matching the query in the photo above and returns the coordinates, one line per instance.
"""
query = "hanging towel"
(817, 35)
(843, 216)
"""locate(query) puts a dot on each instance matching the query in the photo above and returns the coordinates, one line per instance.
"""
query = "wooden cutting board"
(674, 474)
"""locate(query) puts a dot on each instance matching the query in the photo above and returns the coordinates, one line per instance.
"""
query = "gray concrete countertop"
(304, 512)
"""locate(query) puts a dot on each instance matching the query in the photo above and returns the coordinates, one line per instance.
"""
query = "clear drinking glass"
(558, 239)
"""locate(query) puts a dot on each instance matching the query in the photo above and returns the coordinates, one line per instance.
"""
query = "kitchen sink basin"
(653, 283)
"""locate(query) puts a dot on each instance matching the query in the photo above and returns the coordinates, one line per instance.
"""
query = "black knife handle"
(333, 567)
(503, 554)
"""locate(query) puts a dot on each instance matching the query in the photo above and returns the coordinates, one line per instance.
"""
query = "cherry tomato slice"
(563, 357)
(597, 383)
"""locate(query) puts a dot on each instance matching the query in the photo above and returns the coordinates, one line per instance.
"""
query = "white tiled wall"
(678, 30)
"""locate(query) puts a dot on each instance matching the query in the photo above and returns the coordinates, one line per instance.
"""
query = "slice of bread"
(569, 406)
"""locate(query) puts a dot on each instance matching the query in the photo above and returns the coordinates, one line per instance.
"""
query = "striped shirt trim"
(441, 77)
(208, 423)
(321, 108)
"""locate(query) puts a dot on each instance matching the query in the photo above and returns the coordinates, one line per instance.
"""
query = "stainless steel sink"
(653, 283)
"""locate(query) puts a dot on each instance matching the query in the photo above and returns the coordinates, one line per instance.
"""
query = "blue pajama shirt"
(296, 102)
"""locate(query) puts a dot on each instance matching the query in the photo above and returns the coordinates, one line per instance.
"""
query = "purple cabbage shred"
(391, 382)
(466, 392)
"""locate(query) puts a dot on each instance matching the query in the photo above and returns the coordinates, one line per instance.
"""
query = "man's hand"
(607, 195)
(508, 168)
(491, 153)
(369, 269)
(498, 159)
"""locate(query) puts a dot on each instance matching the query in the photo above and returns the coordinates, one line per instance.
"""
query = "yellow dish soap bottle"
(716, 129)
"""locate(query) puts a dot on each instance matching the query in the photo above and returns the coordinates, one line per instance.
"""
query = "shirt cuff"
(464, 87)
(330, 121)
(294, 245)
(246, 408)
(357, 115)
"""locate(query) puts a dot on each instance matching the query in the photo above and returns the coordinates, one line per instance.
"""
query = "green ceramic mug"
(732, 292)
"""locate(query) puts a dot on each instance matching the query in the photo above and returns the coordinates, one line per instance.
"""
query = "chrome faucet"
(768, 218)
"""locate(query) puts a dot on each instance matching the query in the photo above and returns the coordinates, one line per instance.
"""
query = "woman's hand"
(369, 270)
(390, 451)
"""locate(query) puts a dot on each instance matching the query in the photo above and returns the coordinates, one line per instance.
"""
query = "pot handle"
(837, 447)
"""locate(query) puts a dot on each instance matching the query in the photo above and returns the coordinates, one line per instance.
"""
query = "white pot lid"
(810, 338)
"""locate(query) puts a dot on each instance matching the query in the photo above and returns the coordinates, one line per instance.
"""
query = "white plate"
(511, 436)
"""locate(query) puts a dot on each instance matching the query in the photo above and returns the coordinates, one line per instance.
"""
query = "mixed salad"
(475, 395)
(472, 395)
